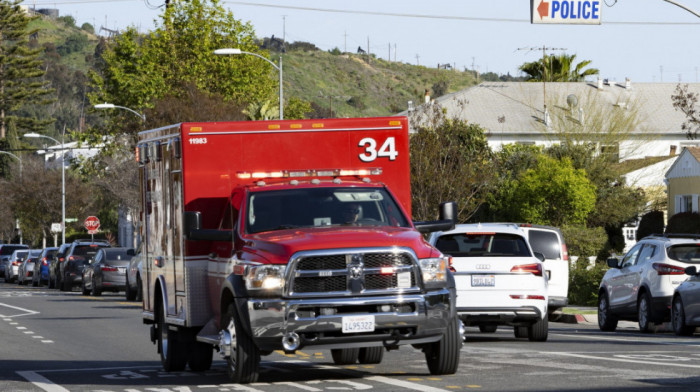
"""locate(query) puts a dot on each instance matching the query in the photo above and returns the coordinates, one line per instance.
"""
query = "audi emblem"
(483, 266)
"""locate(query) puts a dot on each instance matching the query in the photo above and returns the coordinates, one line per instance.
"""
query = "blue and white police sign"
(565, 11)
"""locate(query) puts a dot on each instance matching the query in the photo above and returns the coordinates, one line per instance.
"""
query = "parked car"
(640, 286)
(79, 254)
(549, 241)
(134, 291)
(106, 271)
(12, 264)
(25, 272)
(685, 306)
(41, 266)
(54, 265)
(5, 253)
(499, 279)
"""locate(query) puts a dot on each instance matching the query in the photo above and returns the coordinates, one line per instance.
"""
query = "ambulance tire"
(173, 353)
(443, 357)
(371, 355)
(345, 356)
(244, 362)
(201, 355)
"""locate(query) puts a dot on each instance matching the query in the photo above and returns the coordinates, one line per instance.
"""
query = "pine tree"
(21, 73)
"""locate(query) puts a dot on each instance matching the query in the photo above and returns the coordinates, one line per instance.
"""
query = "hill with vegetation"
(336, 84)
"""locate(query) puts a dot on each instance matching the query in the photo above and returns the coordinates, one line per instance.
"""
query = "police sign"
(565, 11)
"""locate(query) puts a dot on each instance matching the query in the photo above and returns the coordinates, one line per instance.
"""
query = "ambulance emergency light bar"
(310, 173)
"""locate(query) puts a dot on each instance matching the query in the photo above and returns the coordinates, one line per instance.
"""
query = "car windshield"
(483, 245)
(686, 253)
(322, 207)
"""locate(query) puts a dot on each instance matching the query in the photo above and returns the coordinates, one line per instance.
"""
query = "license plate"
(122, 270)
(353, 324)
(483, 280)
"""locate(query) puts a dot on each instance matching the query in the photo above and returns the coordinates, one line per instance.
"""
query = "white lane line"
(42, 382)
(404, 384)
(47, 341)
(634, 340)
(25, 312)
(645, 362)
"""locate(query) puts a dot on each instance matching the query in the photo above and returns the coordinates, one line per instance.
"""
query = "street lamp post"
(231, 51)
(112, 106)
(63, 178)
(20, 163)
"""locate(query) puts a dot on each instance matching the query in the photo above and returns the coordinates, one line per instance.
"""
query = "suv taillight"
(450, 266)
(108, 268)
(564, 252)
(44, 262)
(667, 269)
(535, 269)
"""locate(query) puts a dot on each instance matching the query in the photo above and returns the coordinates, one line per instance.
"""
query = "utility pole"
(345, 42)
(544, 72)
(417, 59)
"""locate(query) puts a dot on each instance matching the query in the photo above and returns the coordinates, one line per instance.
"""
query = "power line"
(377, 13)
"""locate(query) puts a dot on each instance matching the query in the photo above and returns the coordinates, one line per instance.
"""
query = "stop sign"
(92, 224)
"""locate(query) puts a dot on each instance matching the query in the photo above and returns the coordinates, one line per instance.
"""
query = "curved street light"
(20, 162)
(236, 51)
(63, 177)
(113, 106)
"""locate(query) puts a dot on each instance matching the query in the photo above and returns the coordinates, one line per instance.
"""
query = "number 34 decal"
(387, 150)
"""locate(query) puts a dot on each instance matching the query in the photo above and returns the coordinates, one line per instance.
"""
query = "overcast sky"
(644, 40)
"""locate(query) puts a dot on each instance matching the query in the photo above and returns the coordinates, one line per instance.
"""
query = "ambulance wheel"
(345, 356)
(244, 359)
(201, 355)
(371, 355)
(443, 356)
(173, 353)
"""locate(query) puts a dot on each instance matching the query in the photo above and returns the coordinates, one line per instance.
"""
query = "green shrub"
(583, 241)
(584, 282)
(651, 223)
(684, 222)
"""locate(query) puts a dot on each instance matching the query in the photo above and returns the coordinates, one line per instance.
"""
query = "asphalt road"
(55, 341)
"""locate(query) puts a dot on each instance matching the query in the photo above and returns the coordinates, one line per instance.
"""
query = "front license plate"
(353, 324)
(483, 280)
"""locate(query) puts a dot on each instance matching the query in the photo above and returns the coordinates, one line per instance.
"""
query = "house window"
(686, 203)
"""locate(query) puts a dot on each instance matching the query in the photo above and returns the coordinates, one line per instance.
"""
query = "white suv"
(640, 286)
(499, 279)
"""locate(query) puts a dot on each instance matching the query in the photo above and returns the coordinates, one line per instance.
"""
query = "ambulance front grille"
(368, 272)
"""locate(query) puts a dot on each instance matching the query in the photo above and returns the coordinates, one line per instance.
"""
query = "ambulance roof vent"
(366, 179)
(315, 181)
(260, 183)
(337, 181)
(294, 182)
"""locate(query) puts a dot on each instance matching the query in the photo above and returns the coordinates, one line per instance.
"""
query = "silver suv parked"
(641, 285)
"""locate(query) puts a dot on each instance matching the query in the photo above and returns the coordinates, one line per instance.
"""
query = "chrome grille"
(352, 273)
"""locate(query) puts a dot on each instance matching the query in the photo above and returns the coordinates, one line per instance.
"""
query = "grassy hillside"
(337, 85)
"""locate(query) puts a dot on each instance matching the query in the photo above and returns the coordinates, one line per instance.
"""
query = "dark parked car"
(106, 271)
(41, 266)
(5, 253)
(25, 272)
(134, 291)
(79, 254)
(54, 264)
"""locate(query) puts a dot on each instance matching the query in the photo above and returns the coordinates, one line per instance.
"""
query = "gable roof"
(686, 165)
(517, 107)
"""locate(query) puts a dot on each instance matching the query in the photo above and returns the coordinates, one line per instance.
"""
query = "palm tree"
(560, 68)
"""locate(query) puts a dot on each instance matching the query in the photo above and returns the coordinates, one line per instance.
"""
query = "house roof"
(517, 107)
(686, 165)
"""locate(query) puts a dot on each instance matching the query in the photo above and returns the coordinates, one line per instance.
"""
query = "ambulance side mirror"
(194, 231)
(448, 212)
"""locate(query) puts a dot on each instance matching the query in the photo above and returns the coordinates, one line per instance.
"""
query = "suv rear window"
(483, 245)
(87, 250)
(686, 253)
(545, 242)
(6, 250)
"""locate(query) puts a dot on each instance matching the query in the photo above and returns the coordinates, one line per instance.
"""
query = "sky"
(643, 40)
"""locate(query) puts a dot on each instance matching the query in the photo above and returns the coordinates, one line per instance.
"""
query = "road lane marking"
(25, 312)
(42, 382)
(634, 340)
(404, 384)
(625, 360)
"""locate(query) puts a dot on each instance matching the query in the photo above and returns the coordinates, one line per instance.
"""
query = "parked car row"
(93, 266)
(655, 282)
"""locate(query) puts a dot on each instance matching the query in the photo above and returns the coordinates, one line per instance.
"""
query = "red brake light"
(108, 268)
(540, 297)
(44, 262)
(449, 265)
(667, 269)
(16, 262)
(535, 269)
(564, 252)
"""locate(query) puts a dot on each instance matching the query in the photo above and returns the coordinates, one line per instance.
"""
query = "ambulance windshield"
(322, 207)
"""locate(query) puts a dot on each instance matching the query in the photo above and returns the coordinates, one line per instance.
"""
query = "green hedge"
(584, 282)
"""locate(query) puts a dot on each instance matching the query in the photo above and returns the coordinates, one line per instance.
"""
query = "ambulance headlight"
(267, 279)
(434, 272)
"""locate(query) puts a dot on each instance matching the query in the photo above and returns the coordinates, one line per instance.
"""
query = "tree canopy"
(558, 68)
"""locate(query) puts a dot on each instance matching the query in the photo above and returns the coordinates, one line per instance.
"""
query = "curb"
(574, 318)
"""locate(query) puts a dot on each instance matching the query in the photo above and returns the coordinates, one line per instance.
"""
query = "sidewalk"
(589, 316)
